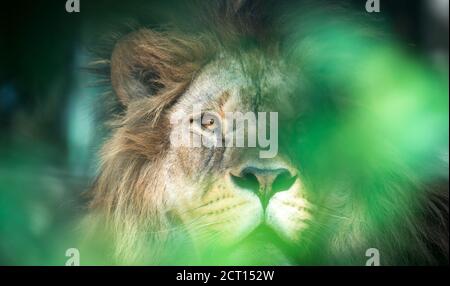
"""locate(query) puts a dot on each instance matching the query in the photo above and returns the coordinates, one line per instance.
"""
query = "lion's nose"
(264, 182)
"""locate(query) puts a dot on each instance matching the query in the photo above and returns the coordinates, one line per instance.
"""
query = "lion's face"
(317, 185)
(227, 192)
(235, 198)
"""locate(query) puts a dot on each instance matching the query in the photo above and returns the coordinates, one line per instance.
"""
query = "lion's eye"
(209, 121)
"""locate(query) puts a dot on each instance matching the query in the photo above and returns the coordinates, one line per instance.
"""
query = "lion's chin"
(262, 246)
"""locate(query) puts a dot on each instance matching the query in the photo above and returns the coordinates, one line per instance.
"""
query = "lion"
(317, 202)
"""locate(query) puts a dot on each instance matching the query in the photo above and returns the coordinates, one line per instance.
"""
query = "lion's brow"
(223, 99)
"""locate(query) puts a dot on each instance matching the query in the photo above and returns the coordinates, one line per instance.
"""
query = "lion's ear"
(145, 62)
(127, 68)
